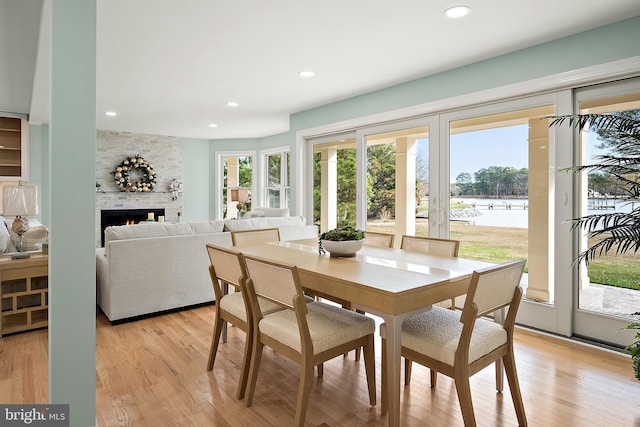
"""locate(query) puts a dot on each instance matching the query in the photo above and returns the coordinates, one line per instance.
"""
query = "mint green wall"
(72, 265)
(276, 141)
(235, 144)
(195, 179)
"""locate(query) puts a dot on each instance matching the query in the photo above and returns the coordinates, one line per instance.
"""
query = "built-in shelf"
(11, 143)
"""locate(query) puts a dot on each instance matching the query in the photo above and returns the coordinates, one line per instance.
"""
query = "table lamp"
(22, 201)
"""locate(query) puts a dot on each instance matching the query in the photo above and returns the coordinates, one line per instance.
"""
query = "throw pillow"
(33, 239)
(253, 214)
(4, 235)
(272, 211)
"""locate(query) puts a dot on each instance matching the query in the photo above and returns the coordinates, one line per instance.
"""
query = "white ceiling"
(169, 67)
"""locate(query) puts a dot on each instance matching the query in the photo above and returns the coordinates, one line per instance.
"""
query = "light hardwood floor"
(152, 372)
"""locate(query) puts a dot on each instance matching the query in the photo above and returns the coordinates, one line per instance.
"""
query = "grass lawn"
(499, 244)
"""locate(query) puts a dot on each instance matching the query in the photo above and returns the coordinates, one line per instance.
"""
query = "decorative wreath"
(143, 184)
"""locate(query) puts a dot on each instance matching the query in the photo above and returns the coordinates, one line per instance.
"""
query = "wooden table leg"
(394, 332)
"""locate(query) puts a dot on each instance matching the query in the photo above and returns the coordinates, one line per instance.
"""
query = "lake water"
(512, 212)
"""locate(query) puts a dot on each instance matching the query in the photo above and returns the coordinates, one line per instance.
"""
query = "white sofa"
(149, 268)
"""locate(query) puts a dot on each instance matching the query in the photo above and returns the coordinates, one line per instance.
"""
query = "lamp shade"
(19, 200)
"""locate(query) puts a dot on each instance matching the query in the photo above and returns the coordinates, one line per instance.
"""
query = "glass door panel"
(237, 186)
(334, 184)
(610, 285)
(397, 182)
(500, 206)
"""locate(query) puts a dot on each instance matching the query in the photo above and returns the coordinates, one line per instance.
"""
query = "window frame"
(219, 176)
(285, 175)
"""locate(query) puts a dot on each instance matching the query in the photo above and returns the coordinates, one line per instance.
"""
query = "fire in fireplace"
(109, 217)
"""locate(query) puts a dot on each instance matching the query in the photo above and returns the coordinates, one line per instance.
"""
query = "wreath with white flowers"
(125, 182)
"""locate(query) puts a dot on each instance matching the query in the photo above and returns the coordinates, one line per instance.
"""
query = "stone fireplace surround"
(163, 152)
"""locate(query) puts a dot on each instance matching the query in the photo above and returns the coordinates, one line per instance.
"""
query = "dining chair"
(460, 344)
(307, 333)
(264, 235)
(372, 238)
(226, 269)
(253, 237)
(432, 246)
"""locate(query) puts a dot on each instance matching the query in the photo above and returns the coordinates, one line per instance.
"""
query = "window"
(236, 189)
(276, 184)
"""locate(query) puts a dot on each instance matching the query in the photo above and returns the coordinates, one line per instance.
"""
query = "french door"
(607, 295)
(396, 169)
(492, 176)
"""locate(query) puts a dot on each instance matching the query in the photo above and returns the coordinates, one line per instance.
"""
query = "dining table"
(390, 283)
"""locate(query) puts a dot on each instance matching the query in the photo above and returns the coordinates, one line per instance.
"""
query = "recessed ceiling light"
(213, 125)
(306, 73)
(457, 11)
(110, 113)
(232, 104)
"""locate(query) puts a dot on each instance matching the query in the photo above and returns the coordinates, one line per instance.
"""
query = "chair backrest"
(226, 265)
(371, 238)
(279, 283)
(430, 245)
(253, 237)
(493, 287)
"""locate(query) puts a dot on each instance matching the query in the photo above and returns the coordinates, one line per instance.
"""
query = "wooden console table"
(24, 286)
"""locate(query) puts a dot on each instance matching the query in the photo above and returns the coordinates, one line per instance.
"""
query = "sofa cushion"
(207, 227)
(140, 231)
(253, 214)
(260, 223)
(4, 235)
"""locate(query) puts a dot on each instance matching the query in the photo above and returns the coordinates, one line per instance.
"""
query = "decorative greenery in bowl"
(342, 233)
(342, 241)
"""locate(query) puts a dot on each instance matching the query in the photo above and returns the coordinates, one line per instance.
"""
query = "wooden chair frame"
(307, 358)
(252, 237)
(432, 246)
(462, 370)
(373, 238)
(445, 247)
(220, 281)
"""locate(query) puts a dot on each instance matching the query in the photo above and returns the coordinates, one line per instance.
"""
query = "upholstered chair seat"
(329, 326)
(235, 305)
(436, 334)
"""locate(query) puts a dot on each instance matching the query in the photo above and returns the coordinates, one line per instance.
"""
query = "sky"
(472, 151)
(505, 147)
